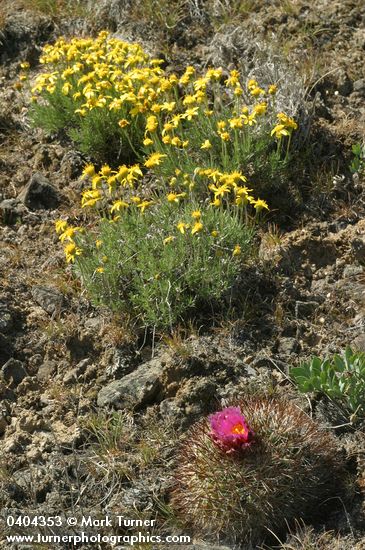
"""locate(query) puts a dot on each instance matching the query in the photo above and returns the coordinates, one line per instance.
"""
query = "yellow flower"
(272, 89)
(166, 139)
(221, 190)
(259, 204)
(88, 171)
(214, 233)
(118, 205)
(90, 198)
(154, 160)
(144, 204)
(100, 269)
(168, 106)
(224, 136)
(169, 239)
(249, 120)
(252, 83)
(98, 243)
(206, 144)
(66, 88)
(235, 123)
(152, 123)
(260, 108)
(280, 131)
(24, 65)
(176, 142)
(147, 142)
(122, 173)
(196, 214)
(61, 226)
(256, 91)
(217, 202)
(190, 113)
(198, 226)
(136, 200)
(68, 233)
(182, 226)
(237, 250)
(173, 197)
(123, 123)
(238, 91)
(233, 78)
(287, 121)
(71, 251)
(105, 171)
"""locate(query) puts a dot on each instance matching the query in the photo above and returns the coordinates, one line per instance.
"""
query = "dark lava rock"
(4, 349)
(305, 309)
(358, 249)
(6, 319)
(50, 299)
(20, 33)
(40, 194)
(11, 210)
(13, 371)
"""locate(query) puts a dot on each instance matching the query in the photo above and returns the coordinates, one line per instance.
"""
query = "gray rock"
(13, 371)
(39, 194)
(136, 389)
(288, 345)
(71, 165)
(46, 371)
(73, 375)
(359, 85)
(50, 299)
(344, 84)
(352, 270)
(358, 343)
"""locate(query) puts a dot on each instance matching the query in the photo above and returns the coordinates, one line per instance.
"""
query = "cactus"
(274, 465)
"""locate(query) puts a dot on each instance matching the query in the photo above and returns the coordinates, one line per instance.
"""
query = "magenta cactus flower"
(230, 430)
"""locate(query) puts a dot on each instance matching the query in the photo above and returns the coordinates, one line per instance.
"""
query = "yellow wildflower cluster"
(66, 235)
(120, 80)
(195, 132)
(104, 74)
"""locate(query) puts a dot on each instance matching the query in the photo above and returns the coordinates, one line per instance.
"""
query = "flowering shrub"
(118, 103)
(98, 92)
(290, 466)
(172, 224)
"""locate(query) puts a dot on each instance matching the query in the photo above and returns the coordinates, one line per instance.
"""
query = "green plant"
(146, 266)
(358, 162)
(288, 469)
(341, 378)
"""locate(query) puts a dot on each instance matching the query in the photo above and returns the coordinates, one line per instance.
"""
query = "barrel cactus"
(239, 476)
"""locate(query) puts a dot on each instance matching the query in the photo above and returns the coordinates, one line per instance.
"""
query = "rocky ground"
(66, 366)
